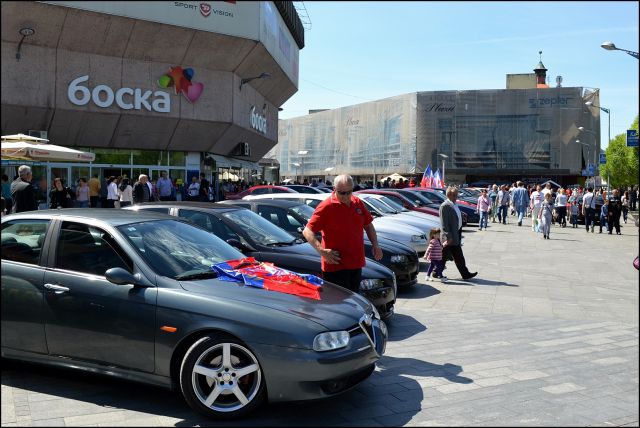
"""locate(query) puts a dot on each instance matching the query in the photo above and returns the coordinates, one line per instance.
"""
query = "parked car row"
(132, 293)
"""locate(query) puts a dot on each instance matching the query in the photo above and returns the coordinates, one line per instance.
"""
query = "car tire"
(221, 378)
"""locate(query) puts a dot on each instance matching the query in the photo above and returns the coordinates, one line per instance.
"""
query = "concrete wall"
(122, 52)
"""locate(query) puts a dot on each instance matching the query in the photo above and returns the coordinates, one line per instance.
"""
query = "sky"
(363, 51)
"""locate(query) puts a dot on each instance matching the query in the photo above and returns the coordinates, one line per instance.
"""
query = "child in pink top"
(434, 256)
(483, 208)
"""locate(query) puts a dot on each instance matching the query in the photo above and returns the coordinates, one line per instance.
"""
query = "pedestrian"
(589, 209)
(94, 191)
(153, 190)
(536, 203)
(165, 187)
(615, 209)
(604, 215)
(194, 189)
(625, 205)
(493, 195)
(83, 197)
(633, 197)
(141, 191)
(561, 207)
(574, 214)
(125, 193)
(520, 200)
(23, 196)
(482, 208)
(112, 192)
(6, 191)
(341, 219)
(60, 196)
(204, 188)
(451, 233)
(504, 198)
(545, 215)
(433, 255)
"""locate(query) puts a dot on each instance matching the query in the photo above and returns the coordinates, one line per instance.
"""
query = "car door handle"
(58, 289)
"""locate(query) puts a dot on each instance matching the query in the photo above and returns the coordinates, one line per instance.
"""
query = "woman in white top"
(561, 207)
(125, 191)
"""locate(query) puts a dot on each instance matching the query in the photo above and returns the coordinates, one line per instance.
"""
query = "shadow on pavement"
(479, 281)
(418, 291)
(402, 327)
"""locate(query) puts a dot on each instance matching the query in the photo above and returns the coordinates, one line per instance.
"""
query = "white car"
(382, 205)
(386, 227)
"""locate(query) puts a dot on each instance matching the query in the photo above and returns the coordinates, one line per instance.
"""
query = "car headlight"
(370, 284)
(330, 340)
(399, 258)
(416, 238)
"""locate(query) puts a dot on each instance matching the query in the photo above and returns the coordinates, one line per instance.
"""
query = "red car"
(402, 200)
(261, 190)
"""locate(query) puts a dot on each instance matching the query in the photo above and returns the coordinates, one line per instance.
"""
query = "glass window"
(211, 223)
(149, 157)
(258, 228)
(261, 191)
(112, 156)
(178, 159)
(22, 240)
(304, 211)
(156, 209)
(177, 249)
(88, 249)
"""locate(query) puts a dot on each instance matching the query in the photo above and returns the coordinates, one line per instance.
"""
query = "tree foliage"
(622, 161)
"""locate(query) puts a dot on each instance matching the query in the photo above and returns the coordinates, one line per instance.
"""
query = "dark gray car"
(133, 295)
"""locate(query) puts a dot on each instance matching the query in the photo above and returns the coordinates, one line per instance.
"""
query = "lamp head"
(27, 31)
(589, 103)
(581, 128)
(609, 46)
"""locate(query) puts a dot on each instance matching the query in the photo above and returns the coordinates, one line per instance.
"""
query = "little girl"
(574, 214)
(434, 256)
(545, 215)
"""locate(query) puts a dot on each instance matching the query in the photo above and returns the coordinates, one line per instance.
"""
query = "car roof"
(185, 204)
(283, 203)
(113, 217)
(318, 196)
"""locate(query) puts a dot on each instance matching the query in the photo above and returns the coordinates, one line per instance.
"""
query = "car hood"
(337, 308)
(392, 247)
(406, 226)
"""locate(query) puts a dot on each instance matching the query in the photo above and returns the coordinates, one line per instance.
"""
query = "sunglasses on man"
(345, 193)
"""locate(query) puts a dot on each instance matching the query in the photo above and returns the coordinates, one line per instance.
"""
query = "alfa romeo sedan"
(133, 295)
(257, 237)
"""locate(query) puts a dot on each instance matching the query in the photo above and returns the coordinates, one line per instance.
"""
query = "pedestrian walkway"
(546, 335)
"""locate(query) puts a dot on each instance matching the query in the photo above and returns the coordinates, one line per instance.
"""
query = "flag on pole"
(437, 179)
(427, 177)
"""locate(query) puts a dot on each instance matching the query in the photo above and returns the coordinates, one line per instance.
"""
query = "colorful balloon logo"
(180, 79)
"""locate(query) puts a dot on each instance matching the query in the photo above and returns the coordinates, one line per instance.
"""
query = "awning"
(25, 147)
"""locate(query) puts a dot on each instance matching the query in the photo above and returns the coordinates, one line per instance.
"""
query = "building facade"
(494, 135)
(187, 86)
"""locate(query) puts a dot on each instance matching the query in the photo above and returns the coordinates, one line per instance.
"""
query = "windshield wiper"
(282, 244)
(199, 275)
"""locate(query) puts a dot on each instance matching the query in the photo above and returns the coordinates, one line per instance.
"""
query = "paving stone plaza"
(545, 335)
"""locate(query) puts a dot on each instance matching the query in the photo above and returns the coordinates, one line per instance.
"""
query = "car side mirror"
(300, 229)
(374, 214)
(121, 276)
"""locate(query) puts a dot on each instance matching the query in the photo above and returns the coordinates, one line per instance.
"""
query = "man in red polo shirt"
(341, 219)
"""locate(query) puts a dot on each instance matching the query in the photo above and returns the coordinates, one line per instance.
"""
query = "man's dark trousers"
(456, 252)
(347, 278)
(589, 218)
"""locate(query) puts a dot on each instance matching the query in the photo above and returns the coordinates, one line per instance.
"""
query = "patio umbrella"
(25, 147)
(395, 176)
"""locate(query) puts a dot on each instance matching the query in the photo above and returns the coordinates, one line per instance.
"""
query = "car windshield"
(393, 204)
(433, 196)
(259, 229)
(381, 206)
(417, 198)
(176, 249)
(303, 210)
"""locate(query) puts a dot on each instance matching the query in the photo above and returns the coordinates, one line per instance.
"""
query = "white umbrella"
(24, 147)
(395, 176)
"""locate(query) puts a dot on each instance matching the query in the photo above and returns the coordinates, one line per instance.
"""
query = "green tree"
(622, 161)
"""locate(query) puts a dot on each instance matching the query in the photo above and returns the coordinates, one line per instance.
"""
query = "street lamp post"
(611, 47)
(302, 153)
(608, 111)
(443, 159)
(296, 164)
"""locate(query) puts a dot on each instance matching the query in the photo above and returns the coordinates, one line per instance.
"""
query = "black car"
(256, 237)
(293, 216)
(133, 295)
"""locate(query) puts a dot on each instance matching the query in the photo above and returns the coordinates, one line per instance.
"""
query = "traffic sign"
(603, 158)
(591, 169)
(632, 138)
